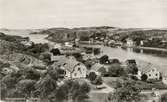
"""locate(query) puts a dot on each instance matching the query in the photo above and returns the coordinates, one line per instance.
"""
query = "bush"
(163, 98)
(134, 77)
(103, 71)
(98, 81)
(84, 38)
(116, 70)
(92, 76)
(32, 74)
(144, 77)
(104, 59)
(55, 52)
(132, 69)
(96, 51)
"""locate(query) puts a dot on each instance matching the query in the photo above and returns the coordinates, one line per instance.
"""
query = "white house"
(68, 44)
(129, 42)
(151, 71)
(164, 78)
(73, 68)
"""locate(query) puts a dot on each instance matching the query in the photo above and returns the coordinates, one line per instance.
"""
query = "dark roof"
(131, 61)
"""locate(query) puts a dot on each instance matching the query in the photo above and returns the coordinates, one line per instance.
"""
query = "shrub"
(144, 77)
(104, 59)
(116, 70)
(98, 81)
(92, 76)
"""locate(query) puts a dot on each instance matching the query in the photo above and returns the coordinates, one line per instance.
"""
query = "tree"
(163, 98)
(96, 51)
(26, 87)
(3, 90)
(127, 92)
(55, 52)
(46, 57)
(78, 56)
(132, 69)
(92, 76)
(98, 81)
(84, 38)
(144, 77)
(45, 87)
(103, 71)
(115, 61)
(115, 70)
(104, 59)
(32, 74)
(10, 81)
(72, 91)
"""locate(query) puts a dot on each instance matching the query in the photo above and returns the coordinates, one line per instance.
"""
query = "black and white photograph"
(83, 50)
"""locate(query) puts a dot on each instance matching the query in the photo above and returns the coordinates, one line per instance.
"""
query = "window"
(149, 74)
(153, 70)
(156, 74)
(75, 74)
(79, 69)
(68, 35)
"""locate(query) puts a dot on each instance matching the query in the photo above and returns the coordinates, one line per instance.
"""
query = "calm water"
(156, 57)
(124, 54)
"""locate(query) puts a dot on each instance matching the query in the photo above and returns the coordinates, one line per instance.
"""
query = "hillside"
(66, 34)
(14, 53)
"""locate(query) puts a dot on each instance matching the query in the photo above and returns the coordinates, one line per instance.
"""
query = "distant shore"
(147, 48)
(152, 48)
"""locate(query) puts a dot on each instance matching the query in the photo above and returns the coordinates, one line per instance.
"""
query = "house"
(27, 43)
(150, 70)
(129, 42)
(68, 44)
(73, 68)
(164, 78)
(141, 43)
(130, 62)
(69, 50)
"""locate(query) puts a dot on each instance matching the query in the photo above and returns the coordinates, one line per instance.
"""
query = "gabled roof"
(69, 63)
(97, 66)
(147, 67)
(130, 61)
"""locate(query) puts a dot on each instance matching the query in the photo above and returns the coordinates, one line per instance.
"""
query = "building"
(130, 62)
(129, 42)
(164, 78)
(69, 44)
(69, 50)
(73, 68)
(27, 43)
(57, 58)
(151, 71)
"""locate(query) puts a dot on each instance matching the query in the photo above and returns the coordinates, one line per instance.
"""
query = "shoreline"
(147, 48)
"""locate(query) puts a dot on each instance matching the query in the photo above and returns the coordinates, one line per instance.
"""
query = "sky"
(78, 13)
